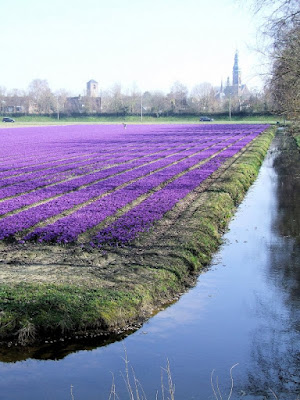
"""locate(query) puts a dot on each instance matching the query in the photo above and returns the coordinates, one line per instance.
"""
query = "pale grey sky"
(150, 44)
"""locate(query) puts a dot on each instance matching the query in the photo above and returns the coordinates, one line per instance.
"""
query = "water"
(244, 309)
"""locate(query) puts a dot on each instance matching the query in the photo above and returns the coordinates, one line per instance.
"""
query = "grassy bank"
(295, 132)
(44, 120)
(88, 290)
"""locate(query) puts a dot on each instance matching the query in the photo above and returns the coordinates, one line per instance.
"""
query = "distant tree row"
(202, 99)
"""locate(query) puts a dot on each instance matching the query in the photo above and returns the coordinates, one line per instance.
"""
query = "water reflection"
(57, 350)
(275, 342)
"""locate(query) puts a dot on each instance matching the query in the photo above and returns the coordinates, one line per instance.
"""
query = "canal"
(244, 310)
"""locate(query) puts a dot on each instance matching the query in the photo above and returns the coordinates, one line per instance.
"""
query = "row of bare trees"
(38, 99)
(202, 99)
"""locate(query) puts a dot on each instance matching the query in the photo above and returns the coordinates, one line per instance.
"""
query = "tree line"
(203, 98)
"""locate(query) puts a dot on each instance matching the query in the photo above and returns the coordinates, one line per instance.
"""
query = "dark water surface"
(244, 309)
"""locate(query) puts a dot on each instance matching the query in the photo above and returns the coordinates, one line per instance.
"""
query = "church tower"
(236, 72)
(92, 88)
(236, 88)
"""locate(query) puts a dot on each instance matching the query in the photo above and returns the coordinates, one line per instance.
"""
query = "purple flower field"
(59, 182)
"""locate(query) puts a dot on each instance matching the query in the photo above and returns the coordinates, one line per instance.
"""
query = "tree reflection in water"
(275, 344)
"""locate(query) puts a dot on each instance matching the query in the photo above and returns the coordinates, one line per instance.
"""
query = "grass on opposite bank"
(31, 311)
(295, 132)
(44, 120)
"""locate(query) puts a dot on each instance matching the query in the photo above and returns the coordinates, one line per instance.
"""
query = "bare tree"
(2, 99)
(280, 14)
(282, 30)
(43, 101)
(203, 97)
(61, 96)
(178, 96)
(159, 103)
(132, 99)
(115, 99)
(285, 75)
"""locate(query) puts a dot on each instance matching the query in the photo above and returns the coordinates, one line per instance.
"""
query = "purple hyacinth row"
(84, 156)
(10, 176)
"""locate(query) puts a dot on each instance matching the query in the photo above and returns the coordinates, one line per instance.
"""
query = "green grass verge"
(297, 139)
(44, 120)
(59, 309)
(31, 311)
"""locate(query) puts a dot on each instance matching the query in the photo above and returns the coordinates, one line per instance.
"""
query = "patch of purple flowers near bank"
(46, 172)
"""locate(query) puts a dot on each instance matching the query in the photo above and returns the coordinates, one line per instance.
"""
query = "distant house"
(74, 104)
(15, 105)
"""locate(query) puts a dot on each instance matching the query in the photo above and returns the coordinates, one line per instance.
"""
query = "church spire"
(236, 72)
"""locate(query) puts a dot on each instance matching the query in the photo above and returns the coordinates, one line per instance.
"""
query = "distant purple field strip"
(72, 139)
(105, 141)
(45, 180)
(44, 167)
(76, 167)
(60, 155)
(46, 162)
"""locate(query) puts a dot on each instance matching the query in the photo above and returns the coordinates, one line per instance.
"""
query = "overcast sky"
(147, 43)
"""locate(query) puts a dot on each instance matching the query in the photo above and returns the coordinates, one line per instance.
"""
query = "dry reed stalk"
(218, 394)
